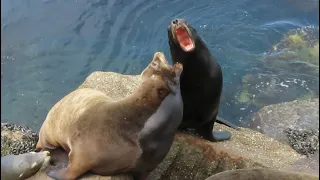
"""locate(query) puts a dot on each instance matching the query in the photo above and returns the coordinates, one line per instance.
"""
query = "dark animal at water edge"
(201, 81)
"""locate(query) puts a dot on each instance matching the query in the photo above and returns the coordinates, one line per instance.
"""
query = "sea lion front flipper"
(221, 135)
(77, 166)
(56, 172)
(227, 123)
(62, 171)
(206, 131)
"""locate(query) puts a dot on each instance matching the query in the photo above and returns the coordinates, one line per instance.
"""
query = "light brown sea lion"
(22, 166)
(261, 174)
(108, 137)
(41, 175)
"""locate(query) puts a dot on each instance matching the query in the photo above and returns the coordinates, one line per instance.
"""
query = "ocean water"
(48, 47)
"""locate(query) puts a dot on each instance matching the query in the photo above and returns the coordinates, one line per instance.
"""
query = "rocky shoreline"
(294, 123)
(189, 157)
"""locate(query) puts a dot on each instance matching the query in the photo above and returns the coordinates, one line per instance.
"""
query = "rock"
(265, 174)
(17, 139)
(307, 164)
(303, 141)
(194, 158)
(295, 123)
(115, 85)
(298, 45)
(271, 88)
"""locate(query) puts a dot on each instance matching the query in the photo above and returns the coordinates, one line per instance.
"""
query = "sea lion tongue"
(184, 39)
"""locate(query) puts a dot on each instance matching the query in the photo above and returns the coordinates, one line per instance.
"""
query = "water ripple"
(49, 47)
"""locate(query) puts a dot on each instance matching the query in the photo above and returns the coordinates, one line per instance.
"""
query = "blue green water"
(48, 47)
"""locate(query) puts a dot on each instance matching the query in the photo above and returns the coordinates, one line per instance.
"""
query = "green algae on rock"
(269, 88)
(300, 45)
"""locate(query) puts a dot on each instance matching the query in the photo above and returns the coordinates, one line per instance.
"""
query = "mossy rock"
(300, 45)
(260, 90)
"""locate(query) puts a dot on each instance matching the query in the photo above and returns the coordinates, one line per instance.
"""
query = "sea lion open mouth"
(181, 34)
(184, 39)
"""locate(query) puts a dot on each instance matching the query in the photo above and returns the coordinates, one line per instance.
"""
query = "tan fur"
(101, 134)
(159, 64)
(41, 175)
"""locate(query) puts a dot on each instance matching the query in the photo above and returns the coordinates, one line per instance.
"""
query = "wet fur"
(201, 84)
(102, 135)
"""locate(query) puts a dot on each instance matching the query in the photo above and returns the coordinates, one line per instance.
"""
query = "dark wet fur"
(201, 87)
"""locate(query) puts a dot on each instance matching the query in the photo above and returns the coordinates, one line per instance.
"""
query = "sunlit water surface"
(48, 47)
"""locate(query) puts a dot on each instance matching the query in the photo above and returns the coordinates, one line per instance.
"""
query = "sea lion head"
(166, 78)
(32, 162)
(182, 35)
(24, 165)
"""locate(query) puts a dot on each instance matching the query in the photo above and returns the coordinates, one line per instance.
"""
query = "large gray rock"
(262, 173)
(295, 123)
(191, 157)
(307, 164)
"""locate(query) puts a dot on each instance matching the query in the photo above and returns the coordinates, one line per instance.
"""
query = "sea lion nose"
(175, 21)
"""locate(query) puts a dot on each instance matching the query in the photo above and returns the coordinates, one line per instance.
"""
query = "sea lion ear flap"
(158, 60)
(155, 65)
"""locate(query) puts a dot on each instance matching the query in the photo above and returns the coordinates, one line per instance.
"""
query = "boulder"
(295, 123)
(191, 157)
(265, 174)
(194, 158)
(308, 164)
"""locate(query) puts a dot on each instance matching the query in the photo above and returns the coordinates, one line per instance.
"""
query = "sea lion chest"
(198, 79)
(158, 133)
(201, 86)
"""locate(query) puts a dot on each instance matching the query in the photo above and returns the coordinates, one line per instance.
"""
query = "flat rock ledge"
(294, 123)
(190, 157)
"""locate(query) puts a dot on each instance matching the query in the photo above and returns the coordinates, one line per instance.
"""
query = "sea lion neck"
(199, 57)
(143, 101)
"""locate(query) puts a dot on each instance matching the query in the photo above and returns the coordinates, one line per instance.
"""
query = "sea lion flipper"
(60, 172)
(56, 173)
(221, 135)
(227, 123)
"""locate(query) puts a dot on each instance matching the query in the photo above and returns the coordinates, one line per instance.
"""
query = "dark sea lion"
(261, 174)
(201, 81)
(22, 166)
(108, 137)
